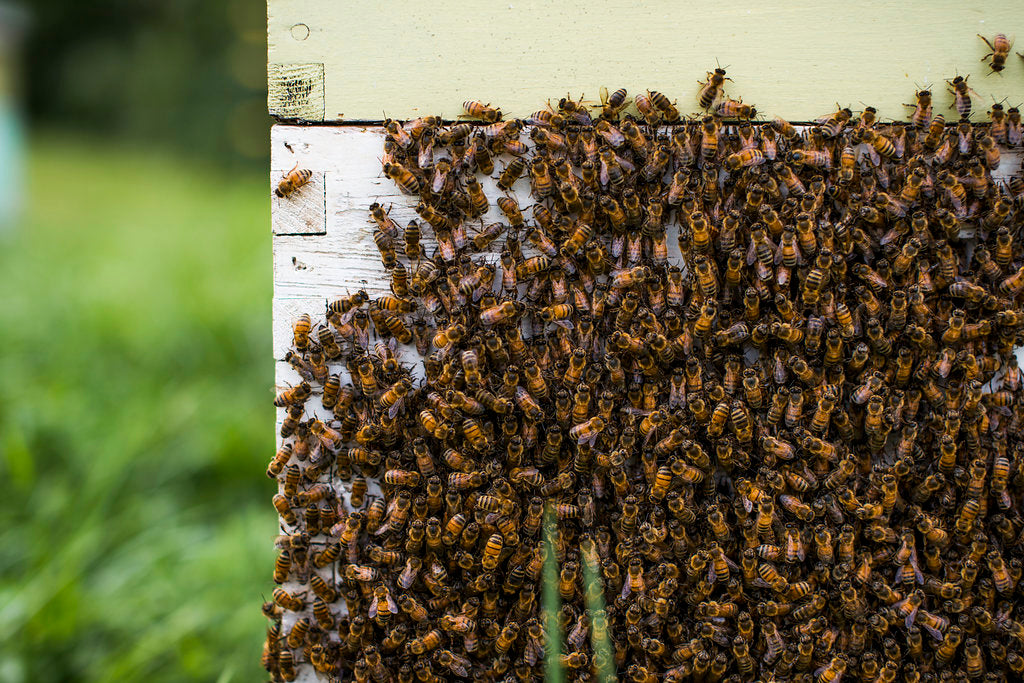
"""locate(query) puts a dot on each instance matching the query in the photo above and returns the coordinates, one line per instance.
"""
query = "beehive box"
(335, 71)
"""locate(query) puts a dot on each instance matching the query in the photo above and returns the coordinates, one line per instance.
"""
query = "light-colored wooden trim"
(791, 58)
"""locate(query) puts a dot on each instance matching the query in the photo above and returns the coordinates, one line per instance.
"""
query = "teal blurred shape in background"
(13, 24)
(135, 364)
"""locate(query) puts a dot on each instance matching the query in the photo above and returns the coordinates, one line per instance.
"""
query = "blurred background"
(135, 362)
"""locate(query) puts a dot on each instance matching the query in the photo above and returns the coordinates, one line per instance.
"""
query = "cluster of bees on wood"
(790, 452)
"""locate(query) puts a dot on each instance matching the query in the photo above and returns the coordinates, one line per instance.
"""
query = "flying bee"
(292, 181)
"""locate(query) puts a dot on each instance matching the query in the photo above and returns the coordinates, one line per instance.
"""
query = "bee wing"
(917, 570)
(565, 324)
(395, 408)
(909, 621)
(933, 632)
(363, 338)
(392, 605)
(779, 253)
(372, 612)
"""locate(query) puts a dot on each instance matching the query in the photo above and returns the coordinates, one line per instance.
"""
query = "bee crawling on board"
(712, 88)
(1000, 47)
(479, 110)
(961, 95)
(292, 181)
(613, 104)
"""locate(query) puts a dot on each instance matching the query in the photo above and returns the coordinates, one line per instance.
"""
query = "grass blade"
(553, 642)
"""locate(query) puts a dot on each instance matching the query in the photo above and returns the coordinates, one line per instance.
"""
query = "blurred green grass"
(135, 420)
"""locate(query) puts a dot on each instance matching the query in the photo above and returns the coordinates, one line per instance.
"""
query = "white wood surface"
(310, 270)
(792, 58)
(302, 213)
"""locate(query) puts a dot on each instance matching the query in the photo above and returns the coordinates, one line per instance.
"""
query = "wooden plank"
(309, 270)
(793, 58)
(304, 212)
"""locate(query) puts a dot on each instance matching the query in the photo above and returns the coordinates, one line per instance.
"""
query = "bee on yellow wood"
(711, 89)
(479, 110)
(1000, 50)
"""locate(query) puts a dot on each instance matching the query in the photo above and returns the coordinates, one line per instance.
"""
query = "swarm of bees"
(790, 448)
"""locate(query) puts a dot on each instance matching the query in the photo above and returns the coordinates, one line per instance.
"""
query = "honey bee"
(296, 395)
(711, 89)
(961, 95)
(293, 180)
(484, 112)
(744, 159)
(709, 141)
(300, 332)
(403, 178)
(1000, 50)
(734, 109)
(668, 110)
(511, 173)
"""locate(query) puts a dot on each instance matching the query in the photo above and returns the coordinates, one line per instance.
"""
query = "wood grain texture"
(794, 59)
(296, 91)
(304, 212)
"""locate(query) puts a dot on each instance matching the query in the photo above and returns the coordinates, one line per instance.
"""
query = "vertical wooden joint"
(296, 91)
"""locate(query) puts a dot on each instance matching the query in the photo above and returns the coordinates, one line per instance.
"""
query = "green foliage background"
(135, 360)
(135, 420)
(185, 74)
